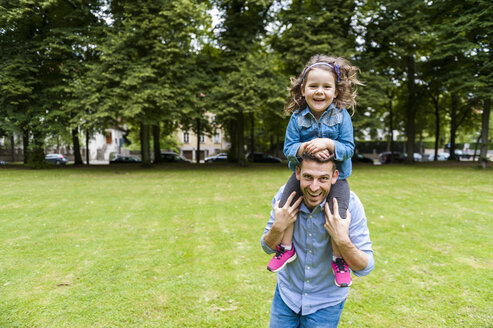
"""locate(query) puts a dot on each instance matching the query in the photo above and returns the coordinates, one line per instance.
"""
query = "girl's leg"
(285, 251)
(340, 191)
(293, 184)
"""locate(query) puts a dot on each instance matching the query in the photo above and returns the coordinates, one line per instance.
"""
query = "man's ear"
(335, 176)
(298, 173)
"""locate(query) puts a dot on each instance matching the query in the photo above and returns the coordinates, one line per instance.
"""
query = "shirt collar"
(325, 115)
(304, 209)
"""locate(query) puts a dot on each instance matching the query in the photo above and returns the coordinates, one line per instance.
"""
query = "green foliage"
(91, 64)
(306, 28)
(42, 47)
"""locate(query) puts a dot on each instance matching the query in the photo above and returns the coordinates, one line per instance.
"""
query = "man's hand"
(283, 217)
(286, 215)
(318, 144)
(337, 227)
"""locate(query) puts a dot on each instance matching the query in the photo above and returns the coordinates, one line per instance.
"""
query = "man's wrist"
(343, 241)
(276, 228)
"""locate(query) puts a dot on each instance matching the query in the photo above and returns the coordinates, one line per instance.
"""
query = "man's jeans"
(281, 316)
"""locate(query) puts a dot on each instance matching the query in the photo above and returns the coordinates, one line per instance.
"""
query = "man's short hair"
(306, 156)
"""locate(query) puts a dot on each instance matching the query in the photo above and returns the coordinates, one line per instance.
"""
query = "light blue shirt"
(334, 124)
(307, 283)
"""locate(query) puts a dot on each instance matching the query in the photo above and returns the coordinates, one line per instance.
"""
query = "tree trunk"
(453, 126)
(87, 147)
(390, 143)
(240, 138)
(483, 157)
(156, 138)
(478, 140)
(437, 129)
(76, 143)
(232, 153)
(36, 152)
(411, 107)
(391, 130)
(25, 144)
(279, 146)
(252, 132)
(197, 154)
(12, 145)
(145, 146)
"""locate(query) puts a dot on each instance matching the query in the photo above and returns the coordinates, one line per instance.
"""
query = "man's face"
(315, 181)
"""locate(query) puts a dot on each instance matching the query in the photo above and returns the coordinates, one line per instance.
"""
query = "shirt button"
(310, 251)
(311, 216)
(308, 281)
(306, 294)
(308, 268)
(310, 234)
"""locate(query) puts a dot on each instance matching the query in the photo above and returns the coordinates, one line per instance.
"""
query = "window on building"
(186, 137)
(213, 119)
(217, 138)
(202, 138)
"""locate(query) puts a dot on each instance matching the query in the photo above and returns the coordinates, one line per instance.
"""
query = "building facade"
(209, 144)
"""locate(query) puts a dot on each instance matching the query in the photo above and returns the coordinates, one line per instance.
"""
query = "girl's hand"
(318, 144)
(323, 154)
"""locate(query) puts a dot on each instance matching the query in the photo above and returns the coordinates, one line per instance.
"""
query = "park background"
(177, 245)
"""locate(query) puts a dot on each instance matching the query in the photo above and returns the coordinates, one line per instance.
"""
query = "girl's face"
(319, 90)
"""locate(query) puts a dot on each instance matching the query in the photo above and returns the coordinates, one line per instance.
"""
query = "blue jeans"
(281, 316)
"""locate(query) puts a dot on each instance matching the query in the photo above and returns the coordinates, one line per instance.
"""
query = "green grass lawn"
(180, 247)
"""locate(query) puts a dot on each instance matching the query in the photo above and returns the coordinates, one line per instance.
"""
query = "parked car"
(2, 163)
(461, 155)
(121, 159)
(57, 159)
(258, 157)
(443, 156)
(395, 157)
(358, 158)
(171, 157)
(221, 157)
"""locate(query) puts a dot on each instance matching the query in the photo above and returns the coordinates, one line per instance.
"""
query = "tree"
(41, 47)
(392, 32)
(237, 88)
(306, 28)
(462, 45)
(138, 77)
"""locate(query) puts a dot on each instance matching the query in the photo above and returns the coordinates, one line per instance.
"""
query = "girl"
(320, 124)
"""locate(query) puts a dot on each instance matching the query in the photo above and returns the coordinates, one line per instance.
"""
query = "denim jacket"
(334, 124)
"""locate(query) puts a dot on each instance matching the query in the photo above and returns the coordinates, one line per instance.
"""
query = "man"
(306, 295)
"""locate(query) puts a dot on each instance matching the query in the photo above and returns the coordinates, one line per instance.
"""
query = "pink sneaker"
(282, 257)
(342, 273)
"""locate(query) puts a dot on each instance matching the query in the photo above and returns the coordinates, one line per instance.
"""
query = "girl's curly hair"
(346, 88)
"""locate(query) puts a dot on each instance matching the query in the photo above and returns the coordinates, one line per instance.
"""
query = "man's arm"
(283, 217)
(338, 228)
(356, 259)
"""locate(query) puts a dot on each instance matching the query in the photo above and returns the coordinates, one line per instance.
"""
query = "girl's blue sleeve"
(344, 145)
(292, 141)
